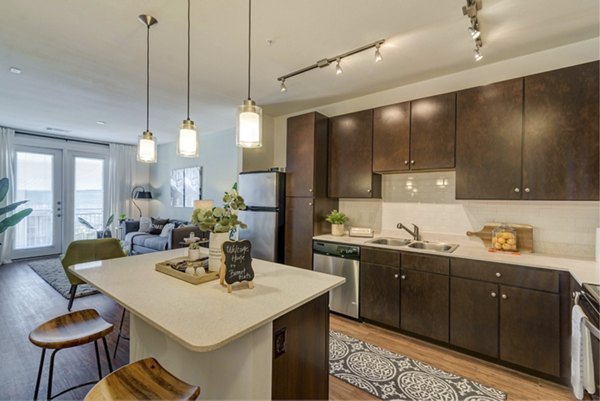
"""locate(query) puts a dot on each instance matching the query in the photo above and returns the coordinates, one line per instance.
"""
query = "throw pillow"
(157, 225)
(145, 224)
(167, 230)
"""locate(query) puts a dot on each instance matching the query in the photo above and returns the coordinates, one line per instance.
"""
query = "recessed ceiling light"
(15, 70)
(101, 122)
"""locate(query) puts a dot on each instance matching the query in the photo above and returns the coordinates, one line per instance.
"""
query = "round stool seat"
(70, 330)
(142, 380)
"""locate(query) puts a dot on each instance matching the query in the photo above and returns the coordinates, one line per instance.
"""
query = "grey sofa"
(141, 242)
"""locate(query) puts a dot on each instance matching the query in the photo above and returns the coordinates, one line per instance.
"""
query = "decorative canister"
(504, 238)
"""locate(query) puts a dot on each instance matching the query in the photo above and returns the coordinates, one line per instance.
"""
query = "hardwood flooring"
(26, 301)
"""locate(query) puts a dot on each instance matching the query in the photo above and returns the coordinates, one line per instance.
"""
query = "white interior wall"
(564, 228)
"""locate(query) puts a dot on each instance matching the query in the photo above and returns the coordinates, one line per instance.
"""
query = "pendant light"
(249, 115)
(146, 150)
(187, 139)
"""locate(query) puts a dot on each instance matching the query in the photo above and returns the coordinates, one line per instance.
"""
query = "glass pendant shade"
(249, 125)
(146, 149)
(187, 140)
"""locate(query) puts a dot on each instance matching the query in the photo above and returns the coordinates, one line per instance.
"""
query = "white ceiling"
(85, 61)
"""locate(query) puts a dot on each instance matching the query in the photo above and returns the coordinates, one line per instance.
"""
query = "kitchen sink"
(433, 246)
(390, 241)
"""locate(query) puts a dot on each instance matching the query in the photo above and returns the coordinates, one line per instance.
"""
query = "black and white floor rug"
(390, 376)
(51, 270)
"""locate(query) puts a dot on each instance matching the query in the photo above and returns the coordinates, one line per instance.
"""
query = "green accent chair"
(88, 250)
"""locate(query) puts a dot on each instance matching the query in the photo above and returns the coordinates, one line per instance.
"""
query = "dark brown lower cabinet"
(474, 315)
(301, 352)
(424, 303)
(530, 329)
(380, 294)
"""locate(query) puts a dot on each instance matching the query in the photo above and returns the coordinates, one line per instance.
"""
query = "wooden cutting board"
(524, 235)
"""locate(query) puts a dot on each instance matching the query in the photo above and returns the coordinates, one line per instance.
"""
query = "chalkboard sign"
(236, 263)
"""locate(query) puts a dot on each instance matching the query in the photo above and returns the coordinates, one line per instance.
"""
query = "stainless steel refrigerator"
(264, 195)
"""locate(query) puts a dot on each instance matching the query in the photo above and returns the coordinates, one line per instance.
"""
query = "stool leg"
(98, 360)
(107, 354)
(119, 335)
(73, 290)
(50, 373)
(39, 375)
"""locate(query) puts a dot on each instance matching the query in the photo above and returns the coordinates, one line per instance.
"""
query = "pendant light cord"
(188, 62)
(148, 78)
(249, 45)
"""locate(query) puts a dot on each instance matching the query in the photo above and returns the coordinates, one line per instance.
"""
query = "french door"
(66, 188)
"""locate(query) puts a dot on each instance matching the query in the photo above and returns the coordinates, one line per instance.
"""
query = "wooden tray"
(165, 268)
(524, 235)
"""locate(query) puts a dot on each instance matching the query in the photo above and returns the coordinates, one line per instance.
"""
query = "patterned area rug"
(388, 375)
(51, 270)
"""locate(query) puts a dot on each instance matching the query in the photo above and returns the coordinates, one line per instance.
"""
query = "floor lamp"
(139, 192)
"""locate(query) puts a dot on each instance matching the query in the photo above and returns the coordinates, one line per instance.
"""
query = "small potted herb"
(337, 220)
(194, 251)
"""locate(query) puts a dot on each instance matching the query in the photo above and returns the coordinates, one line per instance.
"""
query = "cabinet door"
(391, 132)
(474, 315)
(380, 293)
(560, 143)
(530, 329)
(424, 304)
(306, 155)
(351, 155)
(488, 141)
(433, 132)
(299, 232)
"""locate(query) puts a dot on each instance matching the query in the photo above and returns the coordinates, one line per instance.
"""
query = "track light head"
(282, 87)
(477, 54)
(475, 33)
(378, 56)
(338, 67)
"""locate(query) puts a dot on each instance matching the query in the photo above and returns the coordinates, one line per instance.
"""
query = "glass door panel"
(88, 201)
(38, 175)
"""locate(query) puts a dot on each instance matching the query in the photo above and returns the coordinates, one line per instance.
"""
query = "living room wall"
(220, 159)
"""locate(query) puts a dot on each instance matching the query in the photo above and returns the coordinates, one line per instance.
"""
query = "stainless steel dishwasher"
(344, 261)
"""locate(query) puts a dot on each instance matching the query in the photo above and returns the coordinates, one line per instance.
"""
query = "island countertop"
(203, 317)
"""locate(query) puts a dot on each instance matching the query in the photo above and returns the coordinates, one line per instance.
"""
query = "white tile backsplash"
(427, 200)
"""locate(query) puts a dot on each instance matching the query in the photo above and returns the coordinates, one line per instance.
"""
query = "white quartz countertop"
(203, 317)
(583, 270)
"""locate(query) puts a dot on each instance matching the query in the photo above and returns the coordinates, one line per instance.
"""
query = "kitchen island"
(269, 342)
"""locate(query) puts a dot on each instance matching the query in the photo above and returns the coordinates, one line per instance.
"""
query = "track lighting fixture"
(337, 59)
(378, 56)
(470, 10)
(338, 68)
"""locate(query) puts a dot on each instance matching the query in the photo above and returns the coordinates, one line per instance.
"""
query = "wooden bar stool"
(66, 331)
(142, 380)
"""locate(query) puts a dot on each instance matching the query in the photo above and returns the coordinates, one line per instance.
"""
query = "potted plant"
(122, 217)
(194, 251)
(103, 232)
(14, 218)
(337, 220)
(222, 222)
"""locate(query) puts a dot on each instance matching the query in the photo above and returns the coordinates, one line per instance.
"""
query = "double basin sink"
(425, 245)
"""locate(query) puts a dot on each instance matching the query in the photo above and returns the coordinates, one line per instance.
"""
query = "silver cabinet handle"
(395, 276)
(493, 294)
(498, 274)
(406, 162)
(527, 190)
(369, 190)
(403, 277)
(309, 189)
(412, 162)
(517, 190)
(309, 203)
(504, 296)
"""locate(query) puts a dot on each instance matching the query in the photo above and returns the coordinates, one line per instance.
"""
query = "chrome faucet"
(414, 232)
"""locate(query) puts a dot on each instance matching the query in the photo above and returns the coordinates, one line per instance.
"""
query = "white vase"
(215, 243)
(194, 254)
(337, 229)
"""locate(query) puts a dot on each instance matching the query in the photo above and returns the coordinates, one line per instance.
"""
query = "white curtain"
(121, 178)
(7, 148)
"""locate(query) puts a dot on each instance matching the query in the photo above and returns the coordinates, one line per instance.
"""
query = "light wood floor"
(518, 386)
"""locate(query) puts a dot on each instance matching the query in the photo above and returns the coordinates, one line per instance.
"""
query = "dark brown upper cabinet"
(417, 135)
(489, 122)
(560, 140)
(306, 155)
(433, 132)
(391, 138)
(351, 157)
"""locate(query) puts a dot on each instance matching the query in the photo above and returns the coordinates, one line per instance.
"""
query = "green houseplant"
(337, 220)
(14, 218)
(103, 232)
